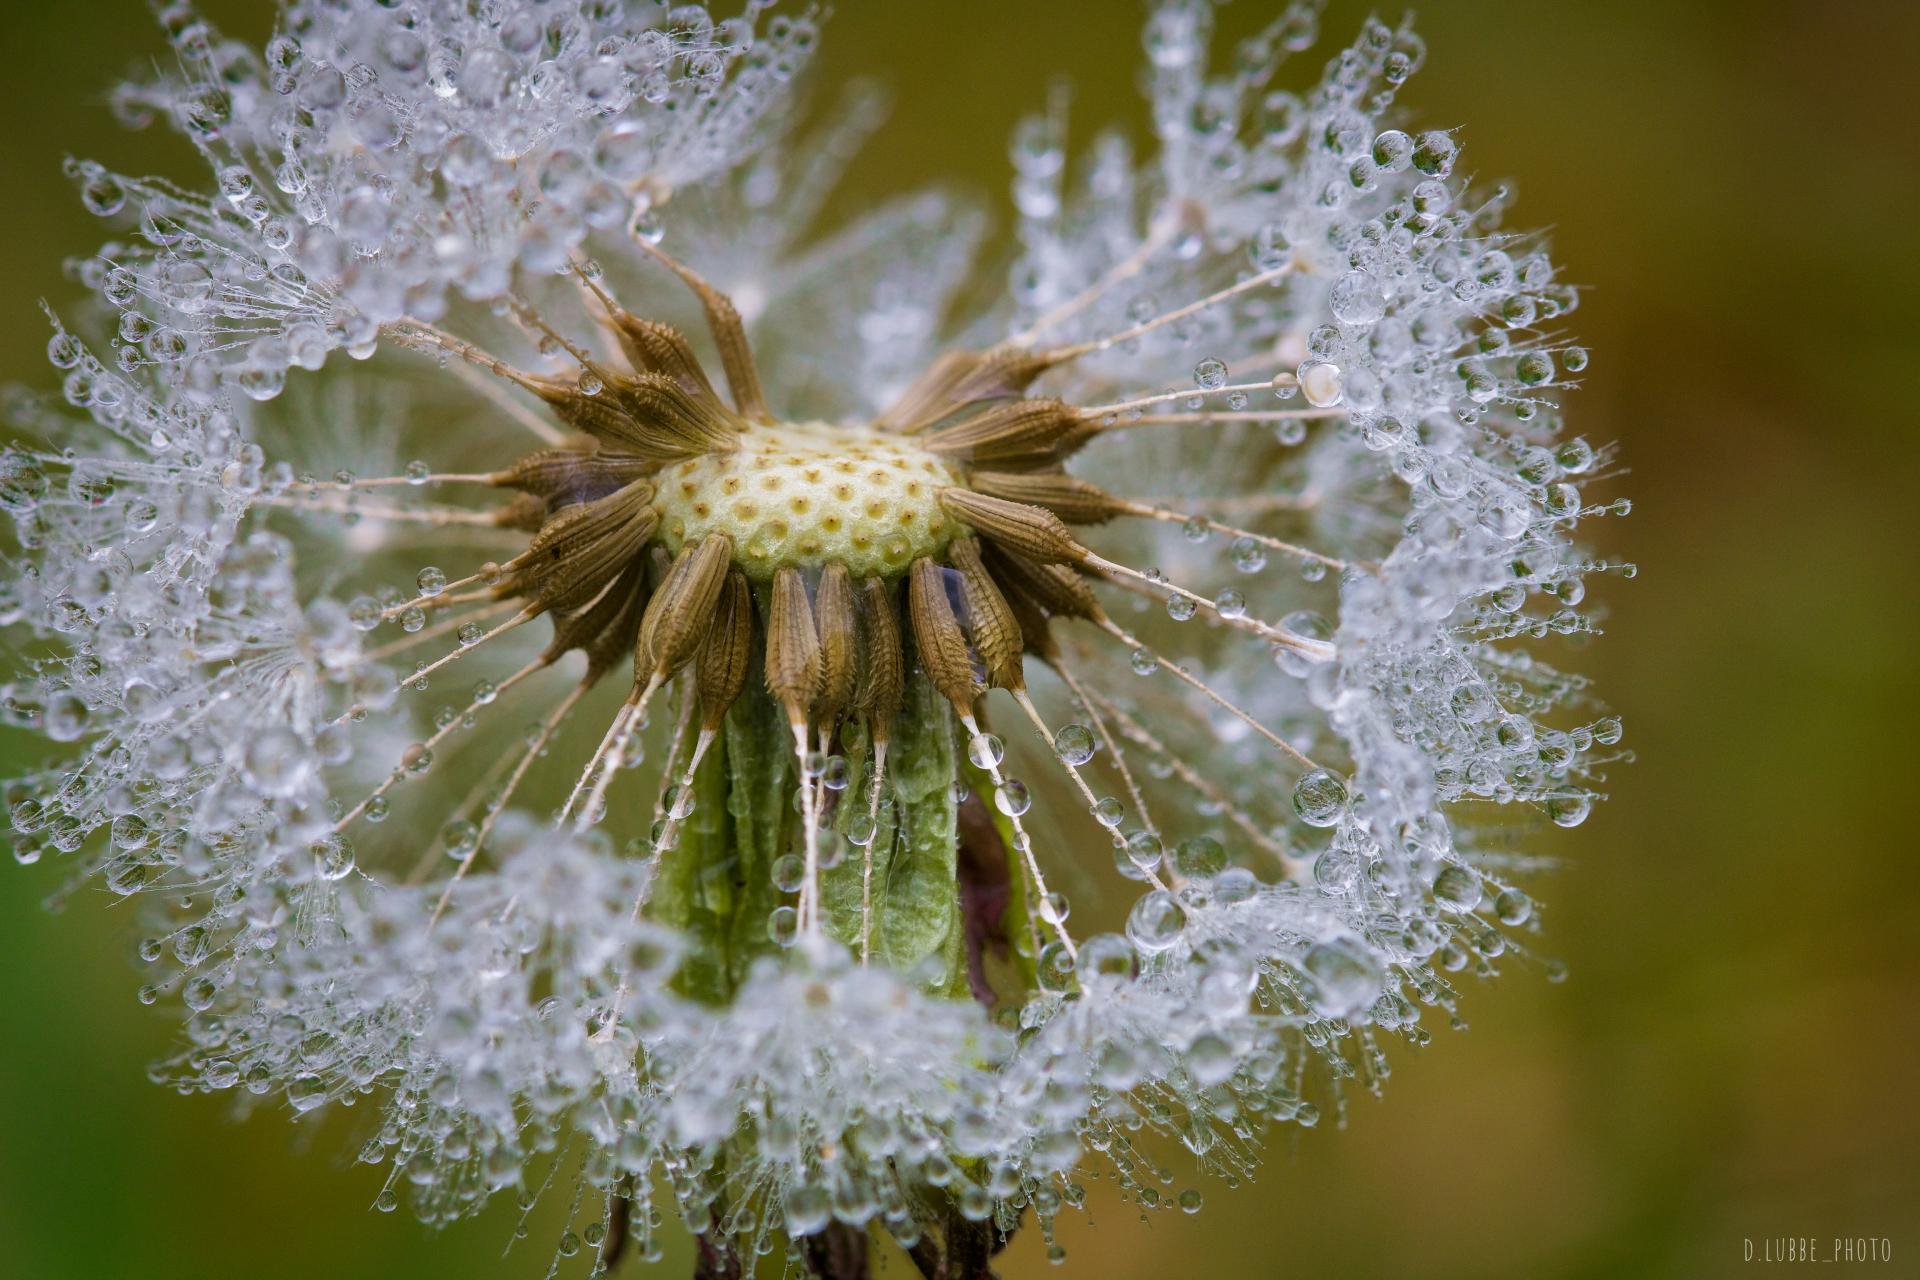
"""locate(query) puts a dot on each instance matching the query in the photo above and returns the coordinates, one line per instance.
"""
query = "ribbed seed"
(1036, 632)
(793, 647)
(729, 334)
(1034, 532)
(883, 666)
(600, 416)
(659, 348)
(562, 477)
(995, 631)
(961, 378)
(656, 401)
(580, 549)
(1017, 436)
(1074, 500)
(1055, 588)
(937, 635)
(682, 610)
(722, 668)
(833, 614)
(590, 626)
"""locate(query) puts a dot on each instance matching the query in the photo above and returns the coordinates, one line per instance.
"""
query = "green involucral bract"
(717, 884)
(916, 895)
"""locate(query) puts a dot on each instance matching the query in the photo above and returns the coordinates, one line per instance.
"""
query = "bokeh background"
(1733, 1056)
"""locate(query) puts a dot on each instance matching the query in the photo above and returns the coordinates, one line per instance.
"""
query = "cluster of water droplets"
(379, 161)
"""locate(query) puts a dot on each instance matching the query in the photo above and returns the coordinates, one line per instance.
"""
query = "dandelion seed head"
(665, 762)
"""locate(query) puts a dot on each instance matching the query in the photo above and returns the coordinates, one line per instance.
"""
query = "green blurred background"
(1733, 1056)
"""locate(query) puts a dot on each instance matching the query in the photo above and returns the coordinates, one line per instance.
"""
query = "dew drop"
(1012, 798)
(783, 925)
(1074, 744)
(1320, 383)
(986, 750)
(1156, 922)
(1320, 799)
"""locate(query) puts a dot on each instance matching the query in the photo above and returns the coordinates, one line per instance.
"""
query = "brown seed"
(883, 665)
(1074, 500)
(615, 640)
(562, 477)
(990, 622)
(1055, 588)
(722, 669)
(1014, 437)
(793, 647)
(663, 409)
(1036, 631)
(659, 348)
(937, 635)
(600, 416)
(729, 334)
(834, 617)
(961, 378)
(682, 610)
(1034, 532)
(581, 548)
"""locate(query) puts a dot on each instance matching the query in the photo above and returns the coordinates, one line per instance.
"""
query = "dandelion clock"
(842, 745)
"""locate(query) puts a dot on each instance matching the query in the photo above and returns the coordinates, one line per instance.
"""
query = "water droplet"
(1320, 383)
(1054, 969)
(1569, 810)
(1247, 555)
(1269, 249)
(1320, 799)
(1180, 608)
(1433, 154)
(1144, 850)
(1457, 887)
(1210, 374)
(1109, 812)
(418, 472)
(1534, 368)
(808, 1210)
(986, 751)
(1344, 977)
(789, 872)
(1513, 907)
(1075, 744)
(1011, 797)
(1156, 922)
(783, 926)
(431, 581)
(1200, 858)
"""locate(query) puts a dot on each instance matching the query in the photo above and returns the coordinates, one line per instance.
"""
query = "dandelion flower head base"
(783, 655)
(809, 494)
